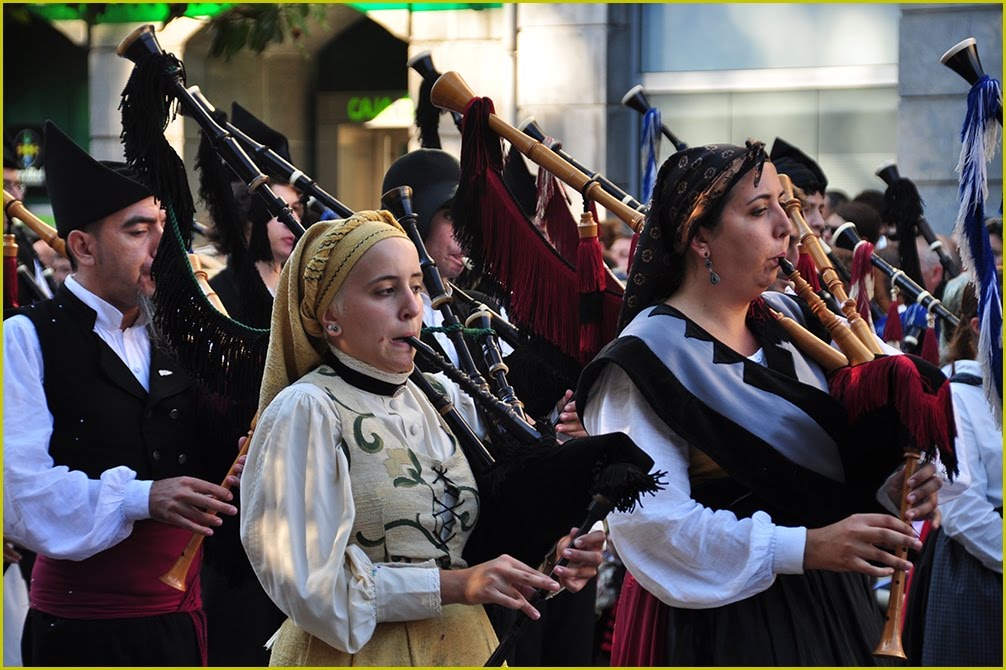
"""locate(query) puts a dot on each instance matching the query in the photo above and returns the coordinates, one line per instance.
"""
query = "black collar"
(360, 380)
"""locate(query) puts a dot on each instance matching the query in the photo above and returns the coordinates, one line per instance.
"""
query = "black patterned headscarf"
(689, 193)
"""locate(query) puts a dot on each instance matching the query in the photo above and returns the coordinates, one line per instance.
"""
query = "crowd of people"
(341, 537)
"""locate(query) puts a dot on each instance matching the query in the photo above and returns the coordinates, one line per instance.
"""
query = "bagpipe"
(273, 162)
(897, 406)
(888, 172)
(227, 357)
(847, 237)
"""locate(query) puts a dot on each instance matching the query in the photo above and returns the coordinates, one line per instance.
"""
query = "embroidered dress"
(751, 451)
(357, 497)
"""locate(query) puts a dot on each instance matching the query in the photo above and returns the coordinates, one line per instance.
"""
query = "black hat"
(433, 175)
(804, 172)
(254, 128)
(83, 190)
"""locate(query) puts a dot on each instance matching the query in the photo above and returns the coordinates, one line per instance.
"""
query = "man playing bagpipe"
(104, 466)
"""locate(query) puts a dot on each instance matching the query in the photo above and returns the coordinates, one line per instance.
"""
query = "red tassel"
(862, 268)
(930, 349)
(893, 334)
(9, 272)
(591, 277)
(926, 413)
(805, 266)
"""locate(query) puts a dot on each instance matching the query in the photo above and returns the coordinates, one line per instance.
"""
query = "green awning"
(423, 6)
(160, 11)
(123, 12)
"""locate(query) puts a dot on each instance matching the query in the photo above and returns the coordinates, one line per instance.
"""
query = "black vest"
(102, 416)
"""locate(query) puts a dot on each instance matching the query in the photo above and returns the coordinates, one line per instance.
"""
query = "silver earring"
(714, 278)
(332, 328)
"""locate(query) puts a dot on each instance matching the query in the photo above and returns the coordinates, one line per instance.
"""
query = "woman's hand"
(923, 488)
(504, 581)
(852, 544)
(569, 424)
(584, 558)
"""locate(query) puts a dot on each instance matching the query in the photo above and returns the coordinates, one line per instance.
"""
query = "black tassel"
(623, 484)
(226, 199)
(148, 105)
(903, 208)
(226, 357)
(428, 117)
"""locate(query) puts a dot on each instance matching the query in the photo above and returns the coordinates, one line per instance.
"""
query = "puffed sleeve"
(296, 525)
(687, 555)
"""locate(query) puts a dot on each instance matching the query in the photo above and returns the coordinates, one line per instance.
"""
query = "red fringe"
(930, 349)
(926, 413)
(10, 282)
(805, 266)
(542, 285)
(893, 334)
(559, 222)
(861, 269)
(591, 277)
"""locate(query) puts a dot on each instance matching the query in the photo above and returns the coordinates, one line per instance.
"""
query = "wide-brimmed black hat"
(433, 175)
(802, 170)
(82, 189)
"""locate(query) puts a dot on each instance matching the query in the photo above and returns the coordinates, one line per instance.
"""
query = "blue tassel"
(650, 146)
(979, 137)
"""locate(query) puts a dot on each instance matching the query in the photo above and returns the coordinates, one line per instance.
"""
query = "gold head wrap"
(310, 279)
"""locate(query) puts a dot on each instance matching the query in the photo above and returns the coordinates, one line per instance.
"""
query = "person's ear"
(84, 247)
(330, 322)
(974, 325)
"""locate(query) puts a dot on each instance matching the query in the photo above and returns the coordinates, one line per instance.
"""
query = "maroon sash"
(640, 627)
(122, 582)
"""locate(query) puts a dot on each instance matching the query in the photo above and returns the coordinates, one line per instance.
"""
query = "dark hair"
(866, 218)
(995, 226)
(835, 199)
(873, 198)
(963, 343)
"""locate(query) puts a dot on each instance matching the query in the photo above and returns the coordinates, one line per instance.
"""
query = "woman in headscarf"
(357, 499)
(757, 553)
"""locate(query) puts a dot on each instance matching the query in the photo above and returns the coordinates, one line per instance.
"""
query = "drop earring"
(714, 278)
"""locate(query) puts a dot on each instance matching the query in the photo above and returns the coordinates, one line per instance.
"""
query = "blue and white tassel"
(980, 138)
(650, 147)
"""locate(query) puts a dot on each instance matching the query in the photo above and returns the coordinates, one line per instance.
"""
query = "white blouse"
(297, 515)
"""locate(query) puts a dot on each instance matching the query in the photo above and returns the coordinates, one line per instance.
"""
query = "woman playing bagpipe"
(358, 502)
(760, 549)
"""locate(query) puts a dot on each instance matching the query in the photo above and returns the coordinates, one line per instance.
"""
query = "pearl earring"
(332, 328)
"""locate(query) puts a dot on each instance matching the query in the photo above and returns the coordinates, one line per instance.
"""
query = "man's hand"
(190, 503)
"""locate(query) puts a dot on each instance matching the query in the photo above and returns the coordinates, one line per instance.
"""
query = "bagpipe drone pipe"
(898, 407)
(227, 357)
(980, 139)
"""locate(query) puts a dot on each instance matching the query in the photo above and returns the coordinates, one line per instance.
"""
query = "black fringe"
(221, 194)
(148, 105)
(903, 209)
(624, 484)
(226, 357)
(428, 117)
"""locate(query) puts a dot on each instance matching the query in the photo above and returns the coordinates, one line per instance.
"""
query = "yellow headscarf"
(310, 279)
